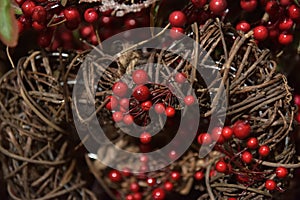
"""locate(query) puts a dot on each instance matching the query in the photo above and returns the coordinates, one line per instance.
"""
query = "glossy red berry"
(158, 194)
(227, 132)
(177, 19)
(270, 185)
(247, 157)
(241, 129)
(264, 150)
(19, 2)
(170, 111)
(140, 76)
(72, 14)
(281, 172)
(134, 187)
(128, 119)
(285, 38)
(129, 197)
(217, 6)
(115, 176)
(126, 172)
(44, 39)
(124, 103)
(141, 93)
(199, 175)
(28, 7)
(189, 100)
(37, 26)
(204, 139)
(285, 2)
(159, 108)
(199, 3)
(173, 155)
(146, 105)
(272, 8)
(175, 176)
(248, 5)
(130, 23)
(221, 166)
(144, 159)
(137, 196)
(176, 33)
(297, 100)
(217, 136)
(168, 186)
(151, 181)
(112, 103)
(120, 89)
(260, 33)
(145, 138)
(39, 14)
(286, 24)
(294, 12)
(252, 143)
(243, 26)
(180, 78)
(231, 198)
(118, 116)
(91, 15)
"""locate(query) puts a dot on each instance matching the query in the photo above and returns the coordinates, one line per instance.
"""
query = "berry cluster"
(240, 162)
(145, 96)
(60, 26)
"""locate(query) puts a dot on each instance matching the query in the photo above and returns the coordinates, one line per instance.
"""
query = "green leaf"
(8, 24)
(297, 2)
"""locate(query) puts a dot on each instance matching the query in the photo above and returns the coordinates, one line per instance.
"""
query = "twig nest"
(37, 147)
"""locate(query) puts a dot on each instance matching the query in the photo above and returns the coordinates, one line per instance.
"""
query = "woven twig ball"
(37, 144)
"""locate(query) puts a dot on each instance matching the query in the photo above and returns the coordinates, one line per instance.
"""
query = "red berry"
(270, 185)
(145, 138)
(124, 102)
(180, 78)
(286, 24)
(140, 76)
(176, 33)
(264, 150)
(129, 197)
(19, 2)
(285, 2)
(28, 7)
(130, 23)
(151, 181)
(227, 132)
(217, 136)
(199, 3)
(91, 15)
(243, 26)
(272, 8)
(260, 33)
(281, 172)
(120, 89)
(168, 186)
(72, 14)
(137, 196)
(159, 108)
(177, 19)
(217, 6)
(39, 14)
(134, 187)
(204, 139)
(146, 105)
(170, 111)
(128, 119)
(20, 27)
(126, 172)
(285, 38)
(221, 166)
(86, 31)
(297, 100)
(294, 12)
(189, 100)
(252, 143)
(115, 176)
(241, 129)
(112, 103)
(273, 33)
(173, 155)
(44, 39)
(144, 159)
(118, 116)
(141, 93)
(175, 175)
(158, 194)
(298, 117)
(248, 5)
(199, 175)
(247, 157)
(231, 198)
(106, 21)
(37, 26)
